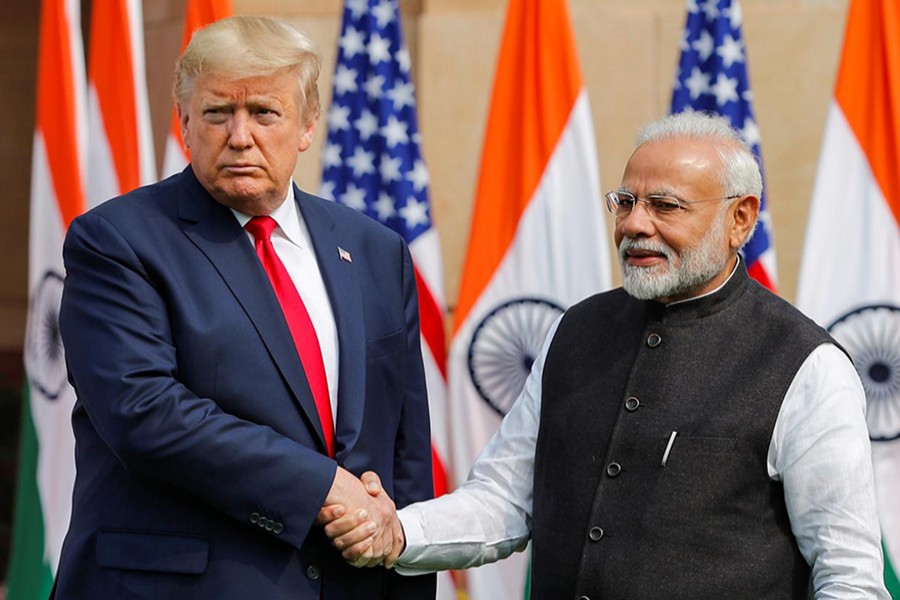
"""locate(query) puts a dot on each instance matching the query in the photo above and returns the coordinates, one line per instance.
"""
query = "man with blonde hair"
(241, 351)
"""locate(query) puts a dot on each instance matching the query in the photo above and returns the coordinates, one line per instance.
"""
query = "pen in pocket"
(668, 449)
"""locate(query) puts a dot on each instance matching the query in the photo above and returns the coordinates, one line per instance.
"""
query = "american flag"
(372, 162)
(712, 77)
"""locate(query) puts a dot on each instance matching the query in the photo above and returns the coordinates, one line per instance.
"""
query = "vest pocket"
(143, 551)
(704, 445)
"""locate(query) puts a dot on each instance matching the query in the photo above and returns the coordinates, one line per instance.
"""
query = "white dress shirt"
(294, 247)
(819, 450)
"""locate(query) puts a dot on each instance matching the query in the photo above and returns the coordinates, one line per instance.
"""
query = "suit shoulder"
(141, 202)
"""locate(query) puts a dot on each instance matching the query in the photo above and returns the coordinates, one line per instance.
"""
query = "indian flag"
(47, 449)
(850, 275)
(197, 14)
(120, 150)
(538, 241)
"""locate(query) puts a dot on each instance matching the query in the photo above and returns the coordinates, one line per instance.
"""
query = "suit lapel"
(214, 230)
(343, 288)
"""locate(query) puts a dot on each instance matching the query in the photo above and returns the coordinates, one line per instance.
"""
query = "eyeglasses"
(659, 206)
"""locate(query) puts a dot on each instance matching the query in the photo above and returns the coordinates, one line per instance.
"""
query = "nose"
(240, 136)
(637, 223)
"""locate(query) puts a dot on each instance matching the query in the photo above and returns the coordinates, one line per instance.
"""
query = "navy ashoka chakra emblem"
(871, 335)
(504, 346)
(45, 361)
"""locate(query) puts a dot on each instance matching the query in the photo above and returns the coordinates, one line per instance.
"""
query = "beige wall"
(628, 52)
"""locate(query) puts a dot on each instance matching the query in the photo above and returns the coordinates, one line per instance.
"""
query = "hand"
(361, 521)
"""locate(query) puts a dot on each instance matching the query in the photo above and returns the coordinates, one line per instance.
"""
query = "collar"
(705, 304)
(286, 215)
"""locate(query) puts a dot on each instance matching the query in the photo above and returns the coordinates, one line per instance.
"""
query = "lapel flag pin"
(344, 255)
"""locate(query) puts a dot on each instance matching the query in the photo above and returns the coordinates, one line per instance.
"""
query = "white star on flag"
(374, 86)
(366, 124)
(401, 95)
(697, 83)
(345, 80)
(394, 132)
(725, 89)
(362, 162)
(338, 118)
(351, 42)
(731, 51)
(379, 49)
(704, 45)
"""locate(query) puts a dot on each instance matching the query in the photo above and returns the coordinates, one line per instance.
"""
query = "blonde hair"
(241, 47)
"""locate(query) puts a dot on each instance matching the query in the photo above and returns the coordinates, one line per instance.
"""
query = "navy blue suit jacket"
(200, 458)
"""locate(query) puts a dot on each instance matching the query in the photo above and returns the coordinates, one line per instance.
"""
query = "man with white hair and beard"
(688, 436)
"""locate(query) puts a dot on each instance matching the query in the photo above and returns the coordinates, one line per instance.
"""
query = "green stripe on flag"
(30, 578)
(527, 595)
(890, 576)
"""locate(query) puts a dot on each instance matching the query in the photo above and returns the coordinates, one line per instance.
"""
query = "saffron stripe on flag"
(514, 159)
(538, 240)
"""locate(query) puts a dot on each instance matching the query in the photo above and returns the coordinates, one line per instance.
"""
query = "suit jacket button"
(269, 525)
(254, 518)
(632, 403)
(278, 528)
(312, 571)
(613, 469)
(595, 534)
(654, 340)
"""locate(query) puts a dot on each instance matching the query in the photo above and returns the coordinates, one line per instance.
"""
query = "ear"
(745, 212)
(307, 133)
(183, 118)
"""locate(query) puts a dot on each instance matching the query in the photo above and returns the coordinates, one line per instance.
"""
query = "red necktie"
(298, 321)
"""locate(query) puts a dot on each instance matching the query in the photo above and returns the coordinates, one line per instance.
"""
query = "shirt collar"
(286, 215)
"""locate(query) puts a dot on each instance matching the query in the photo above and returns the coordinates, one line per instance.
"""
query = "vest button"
(595, 534)
(654, 340)
(312, 571)
(613, 469)
(631, 404)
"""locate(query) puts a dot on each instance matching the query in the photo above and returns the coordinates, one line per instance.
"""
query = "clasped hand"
(361, 521)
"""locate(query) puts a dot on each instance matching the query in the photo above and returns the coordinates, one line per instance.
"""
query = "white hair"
(741, 175)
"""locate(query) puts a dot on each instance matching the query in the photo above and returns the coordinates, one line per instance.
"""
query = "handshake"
(361, 520)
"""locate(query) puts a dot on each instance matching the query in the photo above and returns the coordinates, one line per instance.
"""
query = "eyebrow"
(656, 192)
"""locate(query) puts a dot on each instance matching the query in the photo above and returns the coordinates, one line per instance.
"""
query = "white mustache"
(647, 245)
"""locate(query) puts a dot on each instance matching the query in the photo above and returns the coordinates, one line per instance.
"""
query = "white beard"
(695, 265)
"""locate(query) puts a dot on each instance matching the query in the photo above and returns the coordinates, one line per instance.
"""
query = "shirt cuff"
(415, 543)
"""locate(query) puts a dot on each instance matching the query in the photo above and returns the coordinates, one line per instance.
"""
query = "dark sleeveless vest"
(610, 521)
